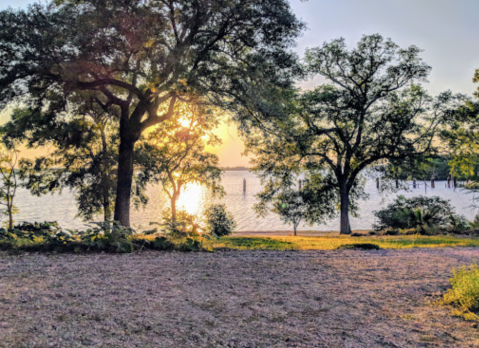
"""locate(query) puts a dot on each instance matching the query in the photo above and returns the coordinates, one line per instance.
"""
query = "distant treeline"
(438, 167)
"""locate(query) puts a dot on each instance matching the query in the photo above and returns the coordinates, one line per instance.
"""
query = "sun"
(185, 122)
(190, 199)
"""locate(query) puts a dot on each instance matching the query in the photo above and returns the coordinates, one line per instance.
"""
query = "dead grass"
(338, 298)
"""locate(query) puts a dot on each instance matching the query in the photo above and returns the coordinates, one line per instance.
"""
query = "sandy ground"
(342, 298)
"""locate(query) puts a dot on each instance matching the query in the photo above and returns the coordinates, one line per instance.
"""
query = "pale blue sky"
(447, 31)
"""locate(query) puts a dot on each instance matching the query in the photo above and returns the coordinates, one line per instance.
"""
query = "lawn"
(336, 241)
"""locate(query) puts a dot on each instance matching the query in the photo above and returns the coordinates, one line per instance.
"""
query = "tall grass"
(465, 292)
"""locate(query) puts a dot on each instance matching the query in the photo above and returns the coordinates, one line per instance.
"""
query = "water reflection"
(62, 208)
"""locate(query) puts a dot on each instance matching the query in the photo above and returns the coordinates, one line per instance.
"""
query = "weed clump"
(464, 293)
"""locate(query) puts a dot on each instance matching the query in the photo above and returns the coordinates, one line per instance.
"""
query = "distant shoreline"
(232, 169)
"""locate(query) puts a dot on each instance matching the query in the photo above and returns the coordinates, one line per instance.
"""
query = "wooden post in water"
(377, 183)
(244, 185)
(414, 183)
(433, 184)
(397, 183)
(449, 181)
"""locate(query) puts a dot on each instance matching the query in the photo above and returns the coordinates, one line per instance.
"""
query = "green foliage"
(459, 222)
(174, 154)
(108, 236)
(182, 225)
(219, 221)
(425, 167)
(420, 213)
(371, 110)
(465, 291)
(83, 156)
(314, 203)
(146, 57)
(46, 236)
(8, 180)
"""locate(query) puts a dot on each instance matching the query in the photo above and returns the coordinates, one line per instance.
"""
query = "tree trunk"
(104, 176)
(125, 179)
(10, 217)
(106, 210)
(173, 206)
(345, 228)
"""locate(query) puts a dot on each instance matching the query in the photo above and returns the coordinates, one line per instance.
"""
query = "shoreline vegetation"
(119, 241)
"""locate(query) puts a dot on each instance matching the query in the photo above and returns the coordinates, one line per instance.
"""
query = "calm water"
(62, 207)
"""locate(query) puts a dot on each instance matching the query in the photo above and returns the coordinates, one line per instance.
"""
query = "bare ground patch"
(346, 298)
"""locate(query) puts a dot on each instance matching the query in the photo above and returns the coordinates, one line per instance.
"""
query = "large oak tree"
(139, 57)
(370, 111)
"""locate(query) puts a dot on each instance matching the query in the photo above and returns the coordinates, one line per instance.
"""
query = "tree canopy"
(371, 110)
(174, 153)
(138, 58)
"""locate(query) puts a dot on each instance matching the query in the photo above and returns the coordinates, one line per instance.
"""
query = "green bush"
(183, 225)
(105, 236)
(420, 213)
(465, 291)
(108, 236)
(220, 222)
(48, 232)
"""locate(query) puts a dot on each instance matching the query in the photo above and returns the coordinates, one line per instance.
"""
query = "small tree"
(9, 181)
(314, 203)
(175, 155)
(291, 208)
(219, 220)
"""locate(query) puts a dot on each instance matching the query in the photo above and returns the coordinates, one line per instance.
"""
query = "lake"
(62, 207)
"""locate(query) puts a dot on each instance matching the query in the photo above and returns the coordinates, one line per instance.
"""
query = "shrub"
(183, 225)
(109, 236)
(420, 213)
(37, 226)
(219, 221)
(105, 236)
(465, 291)
(43, 231)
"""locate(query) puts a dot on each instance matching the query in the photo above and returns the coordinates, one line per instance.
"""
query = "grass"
(325, 242)
(464, 293)
(335, 242)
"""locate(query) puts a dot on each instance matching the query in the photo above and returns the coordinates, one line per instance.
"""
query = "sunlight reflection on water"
(62, 208)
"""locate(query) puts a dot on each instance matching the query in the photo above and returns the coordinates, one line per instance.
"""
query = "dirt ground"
(345, 298)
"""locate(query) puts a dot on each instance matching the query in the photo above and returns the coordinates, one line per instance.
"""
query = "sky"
(446, 31)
